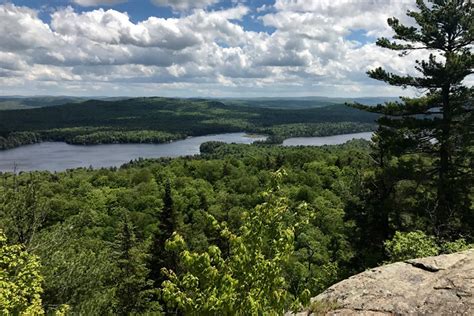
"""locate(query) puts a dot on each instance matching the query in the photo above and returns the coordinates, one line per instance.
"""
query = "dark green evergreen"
(132, 289)
(159, 257)
(424, 146)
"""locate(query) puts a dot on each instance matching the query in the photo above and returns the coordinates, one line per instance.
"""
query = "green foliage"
(159, 120)
(278, 133)
(250, 278)
(161, 258)
(416, 244)
(132, 294)
(299, 102)
(456, 246)
(321, 308)
(117, 137)
(62, 310)
(209, 147)
(78, 270)
(23, 103)
(218, 204)
(235, 247)
(16, 139)
(422, 151)
(321, 245)
(20, 281)
(411, 245)
(83, 211)
(22, 210)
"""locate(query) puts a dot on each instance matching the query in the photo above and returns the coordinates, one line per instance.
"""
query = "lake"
(326, 140)
(58, 156)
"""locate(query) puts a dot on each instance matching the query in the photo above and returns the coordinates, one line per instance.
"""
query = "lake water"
(326, 140)
(58, 156)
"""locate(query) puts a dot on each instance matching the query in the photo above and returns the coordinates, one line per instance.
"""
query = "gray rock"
(441, 285)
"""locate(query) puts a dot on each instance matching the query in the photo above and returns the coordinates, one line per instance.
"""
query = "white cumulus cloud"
(201, 52)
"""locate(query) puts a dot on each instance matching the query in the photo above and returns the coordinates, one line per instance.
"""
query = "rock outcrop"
(441, 285)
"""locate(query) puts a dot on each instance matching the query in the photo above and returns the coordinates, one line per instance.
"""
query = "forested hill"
(304, 102)
(19, 103)
(25, 103)
(29, 102)
(164, 119)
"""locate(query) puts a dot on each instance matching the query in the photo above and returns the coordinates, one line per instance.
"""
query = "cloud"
(201, 52)
(263, 8)
(115, 28)
(95, 3)
(9, 61)
(20, 29)
(184, 5)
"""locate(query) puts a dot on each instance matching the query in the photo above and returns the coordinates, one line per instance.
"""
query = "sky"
(198, 48)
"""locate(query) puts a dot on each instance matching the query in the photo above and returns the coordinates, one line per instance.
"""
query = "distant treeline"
(277, 134)
(16, 139)
(158, 120)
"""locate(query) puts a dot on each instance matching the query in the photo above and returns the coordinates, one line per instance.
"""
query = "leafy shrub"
(409, 245)
(456, 246)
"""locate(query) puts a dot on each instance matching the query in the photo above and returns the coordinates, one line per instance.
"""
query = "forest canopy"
(244, 229)
(159, 120)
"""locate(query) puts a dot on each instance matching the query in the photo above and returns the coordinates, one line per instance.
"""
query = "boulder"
(441, 285)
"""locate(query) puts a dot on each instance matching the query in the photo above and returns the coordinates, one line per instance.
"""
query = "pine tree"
(159, 257)
(132, 293)
(431, 137)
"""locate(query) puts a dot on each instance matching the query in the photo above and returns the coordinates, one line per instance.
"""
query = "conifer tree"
(431, 137)
(132, 289)
(159, 257)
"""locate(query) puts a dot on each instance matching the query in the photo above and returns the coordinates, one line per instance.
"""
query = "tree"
(20, 281)
(251, 279)
(22, 212)
(433, 133)
(78, 270)
(159, 257)
(131, 294)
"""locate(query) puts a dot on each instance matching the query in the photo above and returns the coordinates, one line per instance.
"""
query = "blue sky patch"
(359, 35)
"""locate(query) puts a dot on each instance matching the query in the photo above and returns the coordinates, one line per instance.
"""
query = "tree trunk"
(444, 206)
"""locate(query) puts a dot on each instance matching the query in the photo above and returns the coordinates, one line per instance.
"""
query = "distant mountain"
(19, 103)
(23, 103)
(303, 102)
(159, 119)
(374, 100)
